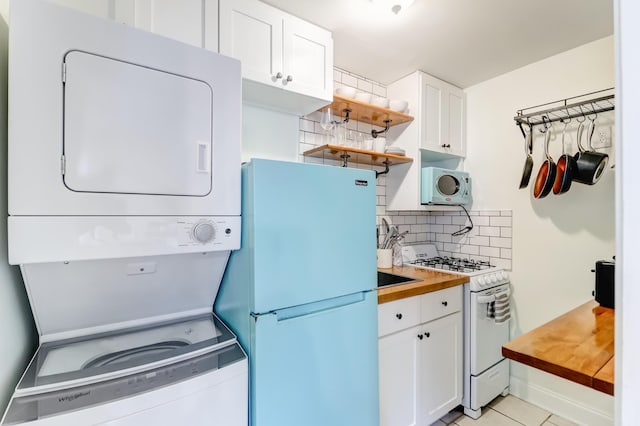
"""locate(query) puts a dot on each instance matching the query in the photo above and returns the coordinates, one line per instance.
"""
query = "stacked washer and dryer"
(124, 205)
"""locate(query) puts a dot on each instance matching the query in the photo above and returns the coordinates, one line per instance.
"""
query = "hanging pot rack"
(566, 109)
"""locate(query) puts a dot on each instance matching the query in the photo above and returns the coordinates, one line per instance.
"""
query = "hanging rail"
(600, 101)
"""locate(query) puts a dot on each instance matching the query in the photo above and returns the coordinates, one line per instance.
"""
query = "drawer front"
(398, 315)
(440, 303)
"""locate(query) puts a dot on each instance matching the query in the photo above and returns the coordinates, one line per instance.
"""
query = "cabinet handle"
(420, 336)
(278, 76)
(446, 145)
(445, 303)
(399, 316)
(289, 78)
(427, 334)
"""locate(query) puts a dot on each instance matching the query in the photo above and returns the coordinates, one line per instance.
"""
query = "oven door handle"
(486, 299)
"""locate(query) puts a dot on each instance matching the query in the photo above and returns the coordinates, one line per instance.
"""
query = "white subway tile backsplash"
(307, 125)
(500, 221)
(505, 232)
(349, 80)
(490, 231)
(438, 229)
(421, 219)
(490, 251)
(480, 221)
(443, 238)
(489, 213)
(410, 219)
(467, 249)
(451, 247)
(379, 90)
(444, 220)
(418, 228)
(365, 86)
(500, 242)
(337, 75)
(479, 241)
(505, 253)
(506, 213)
(459, 220)
(450, 229)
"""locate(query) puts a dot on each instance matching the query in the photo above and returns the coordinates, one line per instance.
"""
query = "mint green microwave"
(446, 187)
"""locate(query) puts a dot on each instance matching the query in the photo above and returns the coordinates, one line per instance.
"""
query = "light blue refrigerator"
(300, 294)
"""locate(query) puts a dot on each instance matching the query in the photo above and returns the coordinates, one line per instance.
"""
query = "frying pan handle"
(579, 137)
(590, 130)
(547, 138)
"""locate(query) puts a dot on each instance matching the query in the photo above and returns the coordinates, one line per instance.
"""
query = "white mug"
(379, 144)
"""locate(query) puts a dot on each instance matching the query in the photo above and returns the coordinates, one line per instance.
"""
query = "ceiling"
(460, 41)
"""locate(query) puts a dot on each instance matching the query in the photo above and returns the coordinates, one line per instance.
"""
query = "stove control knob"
(204, 232)
(481, 281)
(493, 278)
(505, 276)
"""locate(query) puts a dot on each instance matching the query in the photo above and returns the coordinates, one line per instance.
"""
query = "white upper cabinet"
(443, 117)
(287, 63)
(193, 22)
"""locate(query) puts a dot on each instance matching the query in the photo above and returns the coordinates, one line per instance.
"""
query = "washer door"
(130, 129)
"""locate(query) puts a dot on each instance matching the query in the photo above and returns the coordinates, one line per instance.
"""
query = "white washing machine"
(124, 204)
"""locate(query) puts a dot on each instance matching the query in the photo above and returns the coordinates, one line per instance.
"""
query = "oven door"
(486, 336)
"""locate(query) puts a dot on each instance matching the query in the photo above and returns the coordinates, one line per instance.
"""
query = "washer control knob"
(204, 232)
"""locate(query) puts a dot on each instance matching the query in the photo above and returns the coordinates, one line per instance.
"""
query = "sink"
(386, 279)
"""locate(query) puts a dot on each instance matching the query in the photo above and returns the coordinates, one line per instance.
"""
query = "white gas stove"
(482, 274)
(486, 322)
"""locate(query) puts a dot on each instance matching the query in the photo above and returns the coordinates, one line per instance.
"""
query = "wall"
(627, 368)
(16, 323)
(556, 240)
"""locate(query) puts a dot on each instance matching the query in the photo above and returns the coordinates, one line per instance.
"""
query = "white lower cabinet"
(421, 364)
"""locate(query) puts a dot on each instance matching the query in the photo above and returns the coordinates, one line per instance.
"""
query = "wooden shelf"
(359, 156)
(367, 113)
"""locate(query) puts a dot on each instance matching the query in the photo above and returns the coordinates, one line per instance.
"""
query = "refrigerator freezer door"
(311, 229)
(316, 369)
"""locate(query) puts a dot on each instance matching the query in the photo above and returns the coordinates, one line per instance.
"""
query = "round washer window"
(448, 185)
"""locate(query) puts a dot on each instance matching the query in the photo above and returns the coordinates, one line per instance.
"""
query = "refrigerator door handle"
(318, 307)
(255, 316)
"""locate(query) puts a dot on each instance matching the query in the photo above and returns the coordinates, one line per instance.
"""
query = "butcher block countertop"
(578, 346)
(429, 281)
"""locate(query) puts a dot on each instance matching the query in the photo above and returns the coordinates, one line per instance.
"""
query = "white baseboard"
(559, 404)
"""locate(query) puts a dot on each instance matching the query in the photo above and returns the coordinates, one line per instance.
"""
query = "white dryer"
(124, 204)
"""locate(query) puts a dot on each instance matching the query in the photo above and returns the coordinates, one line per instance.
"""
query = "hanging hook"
(546, 122)
(584, 117)
(593, 109)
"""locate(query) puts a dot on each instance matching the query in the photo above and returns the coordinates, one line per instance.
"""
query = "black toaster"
(605, 283)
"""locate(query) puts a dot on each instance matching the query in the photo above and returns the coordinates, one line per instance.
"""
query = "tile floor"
(506, 411)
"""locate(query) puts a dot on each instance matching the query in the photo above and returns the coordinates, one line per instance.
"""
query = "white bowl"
(347, 92)
(398, 105)
(363, 97)
(381, 102)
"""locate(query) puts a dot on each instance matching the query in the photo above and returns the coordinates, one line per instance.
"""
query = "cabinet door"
(398, 367)
(251, 31)
(308, 59)
(456, 116)
(101, 8)
(433, 108)
(440, 367)
(189, 21)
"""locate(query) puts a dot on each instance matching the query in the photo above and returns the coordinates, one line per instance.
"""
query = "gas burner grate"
(452, 263)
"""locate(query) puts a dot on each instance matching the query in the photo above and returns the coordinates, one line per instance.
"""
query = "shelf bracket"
(375, 133)
(345, 158)
(346, 111)
(386, 169)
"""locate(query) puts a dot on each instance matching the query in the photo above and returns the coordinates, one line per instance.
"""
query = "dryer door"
(131, 129)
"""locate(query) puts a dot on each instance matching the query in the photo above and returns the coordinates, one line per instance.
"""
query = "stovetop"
(483, 274)
(454, 264)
